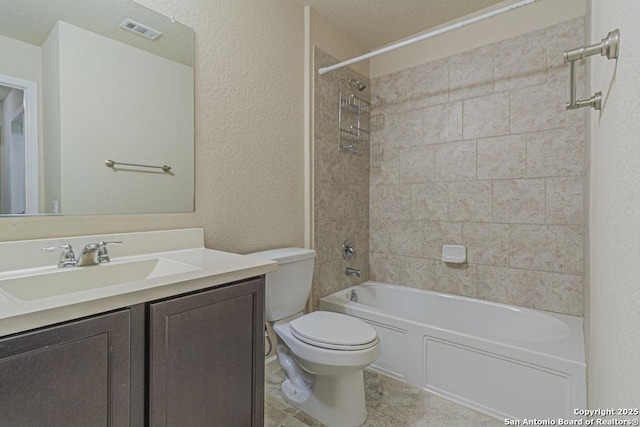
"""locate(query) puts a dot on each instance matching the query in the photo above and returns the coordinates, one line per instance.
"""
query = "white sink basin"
(77, 279)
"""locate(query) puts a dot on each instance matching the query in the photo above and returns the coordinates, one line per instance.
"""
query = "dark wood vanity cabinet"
(207, 358)
(189, 360)
(74, 374)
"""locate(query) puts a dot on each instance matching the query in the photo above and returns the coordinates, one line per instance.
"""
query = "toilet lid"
(333, 330)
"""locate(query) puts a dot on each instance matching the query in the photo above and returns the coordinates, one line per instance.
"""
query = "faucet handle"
(67, 257)
(348, 251)
(103, 255)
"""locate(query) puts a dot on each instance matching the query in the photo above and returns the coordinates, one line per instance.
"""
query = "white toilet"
(322, 353)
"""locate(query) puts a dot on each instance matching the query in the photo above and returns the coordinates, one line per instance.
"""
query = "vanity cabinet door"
(207, 358)
(74, 374)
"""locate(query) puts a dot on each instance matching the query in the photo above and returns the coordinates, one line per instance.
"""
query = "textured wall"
(614, 355)
(249, 132)
(477, 149)
(341, 187)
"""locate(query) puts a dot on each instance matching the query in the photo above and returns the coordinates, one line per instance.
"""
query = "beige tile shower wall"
(477, 149)
(341, 188)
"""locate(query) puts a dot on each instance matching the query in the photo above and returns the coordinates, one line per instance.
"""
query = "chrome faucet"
(352, 272)
(92, 254)
(95, 253)
(88, 256)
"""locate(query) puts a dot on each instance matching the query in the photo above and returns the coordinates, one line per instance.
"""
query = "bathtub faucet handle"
(348, 251)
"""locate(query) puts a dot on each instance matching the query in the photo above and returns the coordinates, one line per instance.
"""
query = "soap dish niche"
(454, 254)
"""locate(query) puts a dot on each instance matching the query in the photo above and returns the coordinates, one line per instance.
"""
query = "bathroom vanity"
(179, 346)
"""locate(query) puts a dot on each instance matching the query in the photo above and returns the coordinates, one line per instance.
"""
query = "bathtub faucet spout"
(352, 272)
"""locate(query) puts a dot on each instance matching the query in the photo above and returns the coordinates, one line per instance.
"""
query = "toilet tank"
(288, 288)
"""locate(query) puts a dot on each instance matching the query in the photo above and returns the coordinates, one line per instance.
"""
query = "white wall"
(113, 106)
(50, 130)
(20, 59)
(614, 356)
(249, 132)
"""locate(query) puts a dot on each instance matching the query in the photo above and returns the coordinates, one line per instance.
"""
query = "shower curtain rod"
(425, 36)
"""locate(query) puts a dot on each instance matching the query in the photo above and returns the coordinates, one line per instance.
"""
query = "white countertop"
(213, 268)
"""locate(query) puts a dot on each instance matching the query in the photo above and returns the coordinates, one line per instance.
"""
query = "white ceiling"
(374, 23)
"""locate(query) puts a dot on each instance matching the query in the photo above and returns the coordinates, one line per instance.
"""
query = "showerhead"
(357, 83)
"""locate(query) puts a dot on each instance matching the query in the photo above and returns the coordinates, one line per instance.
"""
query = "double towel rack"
(111, 164)
(609, 47)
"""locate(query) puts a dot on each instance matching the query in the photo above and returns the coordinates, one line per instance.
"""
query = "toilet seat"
(333, 331)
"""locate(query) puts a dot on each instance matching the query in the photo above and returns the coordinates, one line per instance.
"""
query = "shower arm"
(609, 47)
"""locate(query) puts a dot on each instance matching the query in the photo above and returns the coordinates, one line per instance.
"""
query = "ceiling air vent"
(139, 29)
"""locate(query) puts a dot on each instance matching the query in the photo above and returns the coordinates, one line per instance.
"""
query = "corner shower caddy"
(352, 109)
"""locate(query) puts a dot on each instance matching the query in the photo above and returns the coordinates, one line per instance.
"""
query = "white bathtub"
(503, 360)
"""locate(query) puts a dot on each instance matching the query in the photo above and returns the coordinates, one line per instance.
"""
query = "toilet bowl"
(330, 386)
(322, 353)
(327, 356)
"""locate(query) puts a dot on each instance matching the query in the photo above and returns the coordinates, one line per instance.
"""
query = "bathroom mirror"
(87, 81)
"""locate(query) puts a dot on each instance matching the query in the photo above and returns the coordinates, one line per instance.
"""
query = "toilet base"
(337, 401)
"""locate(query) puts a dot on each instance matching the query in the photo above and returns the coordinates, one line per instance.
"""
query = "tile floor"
(389, 404)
